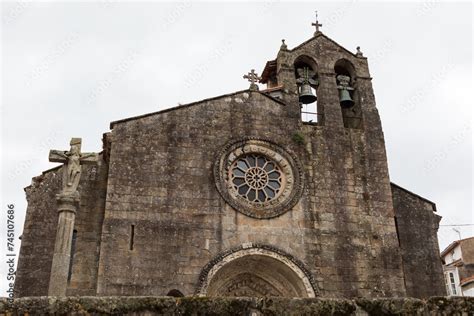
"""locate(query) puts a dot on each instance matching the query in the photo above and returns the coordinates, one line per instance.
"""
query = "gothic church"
(277, 192)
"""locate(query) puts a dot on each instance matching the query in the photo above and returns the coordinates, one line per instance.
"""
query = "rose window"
(256, 178)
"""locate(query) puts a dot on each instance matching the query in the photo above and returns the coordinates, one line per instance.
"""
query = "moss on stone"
(298, 138)
(147, 305)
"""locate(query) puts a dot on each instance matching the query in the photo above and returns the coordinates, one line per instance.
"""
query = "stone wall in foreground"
(235, 306)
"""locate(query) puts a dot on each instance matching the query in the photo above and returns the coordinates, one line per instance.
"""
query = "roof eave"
(112, 124)
(449, 248)
(414, 194)
(319, 34)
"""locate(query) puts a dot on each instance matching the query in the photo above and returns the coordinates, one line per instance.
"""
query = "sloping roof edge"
(319, 34)
(467, 280)
(51, 170)
(43, 173)
(265, 93)
(455, 263)
(113, 123)
(414, 194)
(269, 66)
(272, 89)
(448, 249)
(454, 244)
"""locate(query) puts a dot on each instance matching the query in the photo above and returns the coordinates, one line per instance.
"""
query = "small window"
(450, 283)
(446, 283)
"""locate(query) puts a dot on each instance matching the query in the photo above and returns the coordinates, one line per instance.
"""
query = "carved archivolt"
(256, 270)
(258, 178)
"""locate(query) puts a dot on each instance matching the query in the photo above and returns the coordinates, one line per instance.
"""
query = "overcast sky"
(68, 69)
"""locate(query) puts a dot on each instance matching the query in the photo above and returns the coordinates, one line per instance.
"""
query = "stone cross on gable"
(72, 159)
(252, 77)
(317, 24)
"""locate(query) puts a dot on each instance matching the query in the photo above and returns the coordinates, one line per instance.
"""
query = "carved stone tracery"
(258, 270)
(249, 285)
(258, 178)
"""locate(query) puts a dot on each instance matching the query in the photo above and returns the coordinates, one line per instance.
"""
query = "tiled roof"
(270, 67)
(272, 89)
(467, 280)
(452, 245)
(456, 263)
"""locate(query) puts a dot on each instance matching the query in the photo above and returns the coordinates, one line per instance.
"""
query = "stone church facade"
(236, 195)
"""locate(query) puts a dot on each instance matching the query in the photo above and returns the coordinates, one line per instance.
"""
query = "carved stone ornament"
(72, 169)
(254, 273)
(258, 178)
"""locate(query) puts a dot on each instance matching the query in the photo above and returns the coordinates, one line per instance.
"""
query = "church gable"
(163, 147)
(237, 195)
(329, 44)
(235, 98)
(162, 182)
(212, 122)
(327, 53)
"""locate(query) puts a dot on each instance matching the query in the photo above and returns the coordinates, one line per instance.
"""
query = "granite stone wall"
(39, 233)
(350, 198)
(417, 230)
(152, 220)
(161, 184)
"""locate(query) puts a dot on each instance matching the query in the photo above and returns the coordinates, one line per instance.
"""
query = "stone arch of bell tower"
(304, 60)
(322, 54)
(256, 271)
(351, 115)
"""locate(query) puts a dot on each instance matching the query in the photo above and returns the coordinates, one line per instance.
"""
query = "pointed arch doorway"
(256, 271)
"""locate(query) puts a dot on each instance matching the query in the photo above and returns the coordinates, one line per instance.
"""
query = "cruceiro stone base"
(145, 305)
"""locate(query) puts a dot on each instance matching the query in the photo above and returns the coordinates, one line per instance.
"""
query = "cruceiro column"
(68, 202)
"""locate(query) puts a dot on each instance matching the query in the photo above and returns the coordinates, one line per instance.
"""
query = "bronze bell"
(345, 98)
(306, 95)
(344, 88)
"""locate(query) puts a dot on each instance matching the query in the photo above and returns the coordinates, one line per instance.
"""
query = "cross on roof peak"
(317, 24)
(252, 77)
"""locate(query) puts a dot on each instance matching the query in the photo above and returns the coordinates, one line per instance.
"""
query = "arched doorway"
(256, 271)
